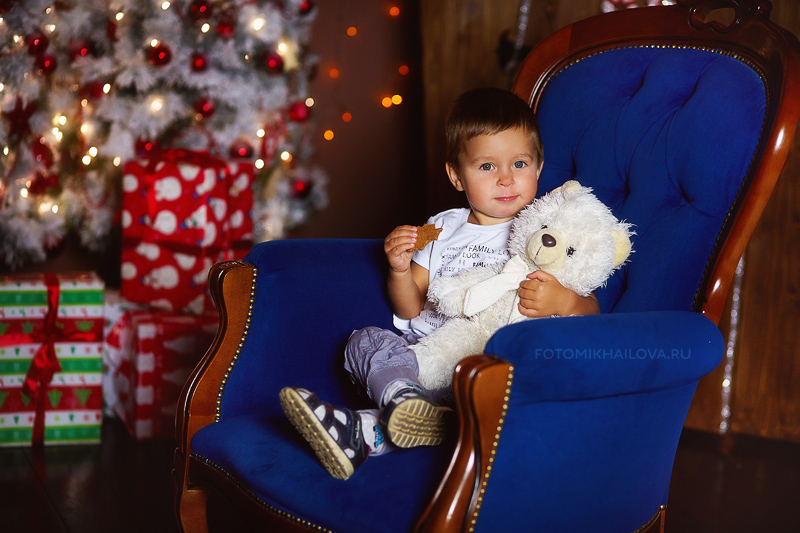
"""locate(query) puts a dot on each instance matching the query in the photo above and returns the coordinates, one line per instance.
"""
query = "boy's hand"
(398, 247)
(542, 295)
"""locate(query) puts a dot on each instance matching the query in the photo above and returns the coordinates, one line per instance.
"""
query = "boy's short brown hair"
(488, 111)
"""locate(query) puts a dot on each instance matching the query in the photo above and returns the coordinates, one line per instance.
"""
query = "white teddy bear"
(568, 233)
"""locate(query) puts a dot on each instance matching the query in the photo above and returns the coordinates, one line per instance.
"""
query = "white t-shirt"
(460, 245)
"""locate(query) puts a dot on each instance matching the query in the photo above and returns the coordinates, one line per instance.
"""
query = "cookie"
(425, 235)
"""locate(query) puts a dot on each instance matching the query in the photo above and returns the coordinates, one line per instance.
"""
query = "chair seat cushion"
(387, 493)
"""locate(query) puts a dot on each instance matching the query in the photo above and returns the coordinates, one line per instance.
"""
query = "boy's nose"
(506, 178)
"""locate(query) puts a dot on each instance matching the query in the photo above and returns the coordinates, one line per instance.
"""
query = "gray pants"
(376, 357)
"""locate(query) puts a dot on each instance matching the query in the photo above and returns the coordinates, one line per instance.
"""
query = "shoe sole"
(416, 422)
(306, 422)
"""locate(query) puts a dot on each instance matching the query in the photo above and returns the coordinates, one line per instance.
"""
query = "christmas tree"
(86, 86)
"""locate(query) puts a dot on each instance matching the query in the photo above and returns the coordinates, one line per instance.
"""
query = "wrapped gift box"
(161, 351)
(70, 407)
(182, 212)
(115, 338)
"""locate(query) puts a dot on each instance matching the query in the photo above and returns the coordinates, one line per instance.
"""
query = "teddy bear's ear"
(622, 246)
(569, 186)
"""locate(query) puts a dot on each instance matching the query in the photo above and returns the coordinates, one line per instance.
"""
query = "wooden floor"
(741, 484)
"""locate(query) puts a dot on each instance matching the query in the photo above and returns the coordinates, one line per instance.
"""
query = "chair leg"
(190, 511)
(190, 503)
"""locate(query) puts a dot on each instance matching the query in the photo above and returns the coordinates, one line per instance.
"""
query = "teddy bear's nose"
(548, 240)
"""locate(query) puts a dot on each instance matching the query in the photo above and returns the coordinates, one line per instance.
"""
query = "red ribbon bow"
(45, 363)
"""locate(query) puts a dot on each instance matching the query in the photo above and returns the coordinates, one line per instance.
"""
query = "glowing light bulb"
(51, 27)
(386, 102)
(309, 102)
(17, 38)
(5, 150)
(156, 105)
(165, 6)
(84, 128)
(261, 133)
(258, 23)
(394, 11)
(282, 47)
(107, 88)
(62, 119)
(259, 164)
(93, 151)
(286, 156)
(153, 42)
(117, 161)
(347, 117)
(328, 135)
(397, 99)
(23, 193)
(119, 16)
(352, 31)
(84, 102)
(403, 70)
(205, 27)
(86, 159)
(2, 86)
(54, 209)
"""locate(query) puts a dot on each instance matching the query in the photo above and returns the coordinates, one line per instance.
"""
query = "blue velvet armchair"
(681, 123)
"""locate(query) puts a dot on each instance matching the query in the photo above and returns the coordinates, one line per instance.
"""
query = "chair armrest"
(582, 357)
(570, 361)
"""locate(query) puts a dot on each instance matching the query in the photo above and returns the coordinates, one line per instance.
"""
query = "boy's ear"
(452, 173)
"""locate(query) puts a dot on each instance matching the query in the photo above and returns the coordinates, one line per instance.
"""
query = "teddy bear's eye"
(544, 226)
(570, 251)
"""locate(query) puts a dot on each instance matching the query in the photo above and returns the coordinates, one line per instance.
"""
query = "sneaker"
(333, 432)
(412, 419)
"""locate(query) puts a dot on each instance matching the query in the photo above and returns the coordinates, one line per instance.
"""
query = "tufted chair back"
(670, 133)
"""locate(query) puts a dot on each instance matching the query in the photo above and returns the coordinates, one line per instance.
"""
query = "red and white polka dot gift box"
(182, 212)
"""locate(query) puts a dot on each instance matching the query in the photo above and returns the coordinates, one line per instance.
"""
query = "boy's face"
(499, 175)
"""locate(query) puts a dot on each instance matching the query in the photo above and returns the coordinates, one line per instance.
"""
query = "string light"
(352, 31)
(347, 117)
(119, 16)
(165, 6)
(107, 88)
(386, 102)
(93, 151)
(86, 159)
(156, 104)
(394, 11)
(286, 156)
(258, 23)
(54, 209)
(117, 161)
(153, 42)
(260, 133)
(259, 164)
(309, 101)
(51, 27)
(205, 27)
(403, 70)
(5, 150)
(24, 192)
(328, 135)
(333, 73)
(397, 99)
(84, 128)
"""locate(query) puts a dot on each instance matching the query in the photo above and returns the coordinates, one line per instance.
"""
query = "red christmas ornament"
(42, 181)
(200, 10)
(80, 48)
(299, 112)
(199, 62)
(111, 30)
(42, 153)
(144, 147)
(37, 42)
(306, 7)
(92, 90)
(241, 148)
(301, 189)
(205, 106)
(226, 26)
(160, 55)
(46, 64)
(273, 62)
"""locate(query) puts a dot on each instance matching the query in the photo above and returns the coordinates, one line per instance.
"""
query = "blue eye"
(487, 166)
